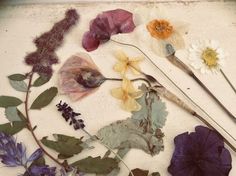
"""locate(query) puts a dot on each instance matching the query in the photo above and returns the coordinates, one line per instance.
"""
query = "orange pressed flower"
(160, 29)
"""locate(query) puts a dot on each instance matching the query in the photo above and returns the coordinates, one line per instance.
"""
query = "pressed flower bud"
(90, 78)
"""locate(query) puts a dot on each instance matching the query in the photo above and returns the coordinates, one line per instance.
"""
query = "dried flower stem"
(100, 141)
(228, 81)
(176, 99)
(177, 62)
(132, 80)
(29, 122)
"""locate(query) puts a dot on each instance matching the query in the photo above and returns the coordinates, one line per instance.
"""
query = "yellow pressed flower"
(127, 93)
(124, 63)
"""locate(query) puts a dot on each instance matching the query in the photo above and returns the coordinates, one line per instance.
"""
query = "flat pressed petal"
(121, 56)
(127, 85)
(176, 40)
(120, 67)
(159, 47)
(89, 42)
(131, 105)
(34, 156)
(135, 68)
(117, 93)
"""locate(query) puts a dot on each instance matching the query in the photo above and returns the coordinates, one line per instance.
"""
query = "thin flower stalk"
(31, 129)
(178, 63)
(172, 97)
(228, 81)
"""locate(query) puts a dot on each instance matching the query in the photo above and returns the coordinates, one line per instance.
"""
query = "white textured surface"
(20, 24)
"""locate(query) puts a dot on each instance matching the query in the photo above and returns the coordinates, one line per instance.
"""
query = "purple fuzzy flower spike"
(106, 24)
(201, 153)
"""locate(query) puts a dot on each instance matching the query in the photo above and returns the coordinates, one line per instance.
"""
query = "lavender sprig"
(69, 115)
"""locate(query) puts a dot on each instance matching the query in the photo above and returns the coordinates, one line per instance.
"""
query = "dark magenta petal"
(122, 19)
(89, 42)
(106, 24)
(200, 153)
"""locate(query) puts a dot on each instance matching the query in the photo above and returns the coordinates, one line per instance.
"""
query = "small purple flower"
(200, 153)
(69, 115)
(43, 170)
(106, 24)
(12, 154)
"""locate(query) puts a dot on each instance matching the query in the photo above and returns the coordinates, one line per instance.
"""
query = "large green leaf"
(41, 80)
(152, 108)
(129, 134)
(19, 85)
(12, 114)
(66, 146)
(12, 128)
(96, 165)
(7, 101)
(17, 77)
(44, 98)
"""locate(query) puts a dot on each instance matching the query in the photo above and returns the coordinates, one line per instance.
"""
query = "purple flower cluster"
(43, 170)
(201, 153)
(69, 115)
(106, 24)
(44, 57)
(13, 154)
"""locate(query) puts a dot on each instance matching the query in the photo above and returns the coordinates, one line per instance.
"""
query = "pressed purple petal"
(89, 42)
(200, 153)
(122, 19)
(106, 24)
(9, 161)
(34, 156)
(43, 170)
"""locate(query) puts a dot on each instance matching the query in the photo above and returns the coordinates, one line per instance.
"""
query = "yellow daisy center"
(209, 56)
(160, 29)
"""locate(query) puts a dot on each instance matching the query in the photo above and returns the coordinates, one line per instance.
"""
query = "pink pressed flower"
(106, 24)
(79, 77)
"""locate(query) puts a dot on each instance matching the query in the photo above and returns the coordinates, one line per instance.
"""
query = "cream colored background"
(19, 25)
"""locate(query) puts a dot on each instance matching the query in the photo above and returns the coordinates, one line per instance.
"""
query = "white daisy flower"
(207, 56)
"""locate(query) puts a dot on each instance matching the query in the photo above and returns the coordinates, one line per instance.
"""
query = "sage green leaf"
(66, 146)
(7, 101)
(153, 108)
(12, 128)
(96, 165)
(121, 153)
(129, 134)
(19, 85)
(139, 172)
(41, 80)
(44, 98)
(22, 116)
(12, 114)
(17, 77)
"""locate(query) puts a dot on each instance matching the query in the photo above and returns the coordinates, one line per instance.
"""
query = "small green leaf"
(17, 77)
(139, 172)
(19, 85)
(7, 101)
(12, 114)
(66, 146)
(40, 81)
(22, 116)
(96, 165)
(44, 98)
(12, 128)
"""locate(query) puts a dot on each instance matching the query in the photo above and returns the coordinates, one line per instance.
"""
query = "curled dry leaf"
(129, 134)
